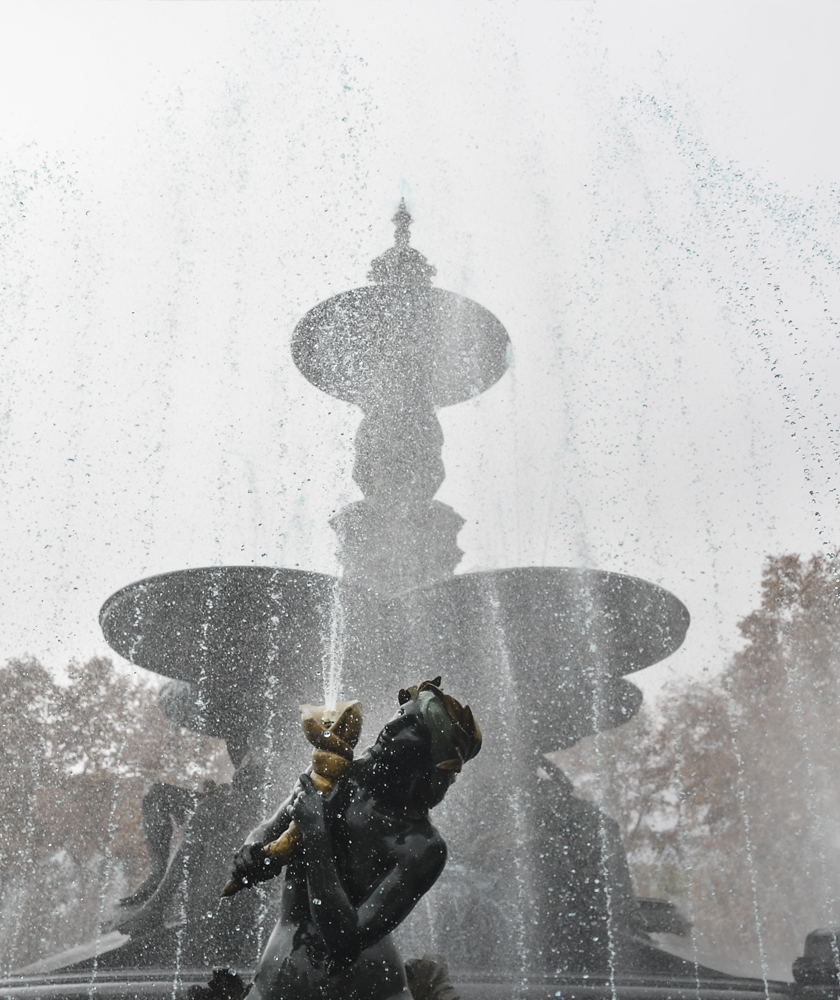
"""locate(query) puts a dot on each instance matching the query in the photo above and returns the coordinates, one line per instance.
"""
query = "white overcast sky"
(645, 194)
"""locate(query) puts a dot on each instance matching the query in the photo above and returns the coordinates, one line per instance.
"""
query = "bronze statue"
(187, 883)
(166, 807)
(366, 854)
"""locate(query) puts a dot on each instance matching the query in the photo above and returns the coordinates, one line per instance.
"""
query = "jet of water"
(335, 652)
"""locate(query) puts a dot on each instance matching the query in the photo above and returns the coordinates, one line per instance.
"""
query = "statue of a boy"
(367, 855)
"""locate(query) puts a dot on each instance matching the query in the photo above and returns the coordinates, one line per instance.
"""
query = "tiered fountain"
(540, 653)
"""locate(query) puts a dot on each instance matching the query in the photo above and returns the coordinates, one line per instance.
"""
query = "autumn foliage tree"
(75, 759)
(727, 791)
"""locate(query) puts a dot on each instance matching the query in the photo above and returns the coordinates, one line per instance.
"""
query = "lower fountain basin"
(561, 639)
(150, 984)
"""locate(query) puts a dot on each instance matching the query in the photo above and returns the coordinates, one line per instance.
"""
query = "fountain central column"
(399, 349)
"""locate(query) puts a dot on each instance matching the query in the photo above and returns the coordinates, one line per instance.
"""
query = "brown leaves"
(726, 790)
(75, 759)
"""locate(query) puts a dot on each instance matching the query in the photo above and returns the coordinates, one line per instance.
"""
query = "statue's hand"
(250, 864)
(308, 807)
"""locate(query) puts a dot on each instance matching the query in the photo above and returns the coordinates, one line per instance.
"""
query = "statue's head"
(455, 736)
(430, 739)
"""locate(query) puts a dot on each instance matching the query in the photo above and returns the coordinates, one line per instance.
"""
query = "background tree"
(727, 791)
(75, 759)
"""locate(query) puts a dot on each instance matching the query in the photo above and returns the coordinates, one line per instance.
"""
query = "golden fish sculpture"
(334, 732)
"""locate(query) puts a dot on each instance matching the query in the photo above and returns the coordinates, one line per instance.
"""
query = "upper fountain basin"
(381, 344)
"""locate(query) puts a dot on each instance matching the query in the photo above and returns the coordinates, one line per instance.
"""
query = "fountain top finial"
(402, 220)
(402, 265)
(400, 333)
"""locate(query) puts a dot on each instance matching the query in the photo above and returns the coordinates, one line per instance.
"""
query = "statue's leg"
(163, 806)
(185, 865)
(285, 973)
